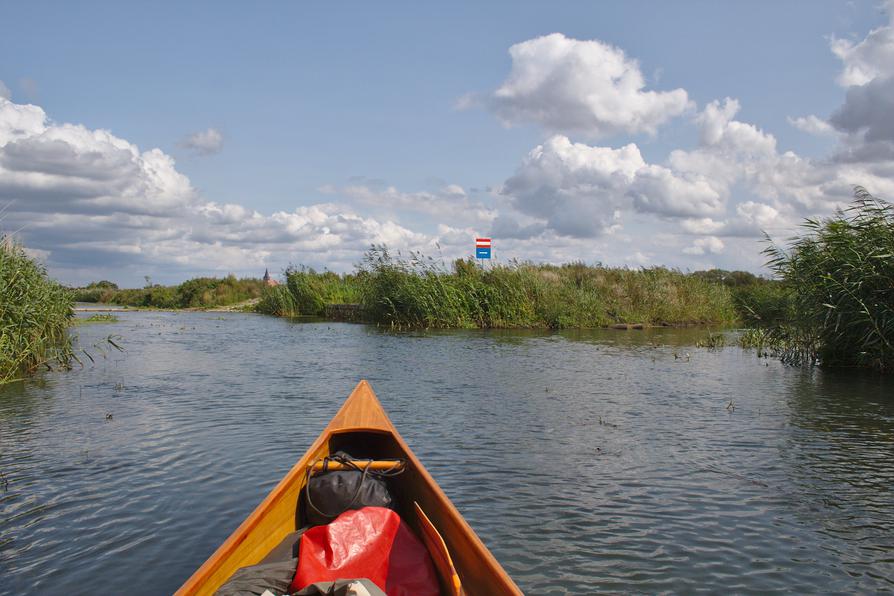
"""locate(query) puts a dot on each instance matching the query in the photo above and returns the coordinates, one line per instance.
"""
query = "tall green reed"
(278, 301)
(418, 291)
(840, 277)
(35, 312)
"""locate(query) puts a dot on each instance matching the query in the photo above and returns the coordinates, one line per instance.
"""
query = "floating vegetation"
(713, 341)
(97, 318)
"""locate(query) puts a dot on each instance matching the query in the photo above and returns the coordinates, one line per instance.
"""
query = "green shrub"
(203, 292)
(200, 292)
(93, 292)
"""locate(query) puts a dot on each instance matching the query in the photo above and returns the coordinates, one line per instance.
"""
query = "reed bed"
(35, 312)
(313, 291)
(308, 292)
(278, 301)
(839, 277)
(420, 292)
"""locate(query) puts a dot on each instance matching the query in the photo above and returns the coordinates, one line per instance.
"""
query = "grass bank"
(35, 312)
(201, 292)
(420, 292)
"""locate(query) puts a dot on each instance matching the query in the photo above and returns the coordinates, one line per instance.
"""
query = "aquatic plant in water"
(35, 312)
(712, 341)
(97, 318)
(840, 278)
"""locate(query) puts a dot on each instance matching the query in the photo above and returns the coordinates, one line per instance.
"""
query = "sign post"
(482, 248)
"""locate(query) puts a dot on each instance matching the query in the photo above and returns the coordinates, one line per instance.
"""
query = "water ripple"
(588, 462)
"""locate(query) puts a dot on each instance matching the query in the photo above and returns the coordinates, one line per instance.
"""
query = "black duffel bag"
(329, 493)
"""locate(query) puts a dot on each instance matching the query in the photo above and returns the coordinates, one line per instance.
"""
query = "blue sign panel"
(482, 253)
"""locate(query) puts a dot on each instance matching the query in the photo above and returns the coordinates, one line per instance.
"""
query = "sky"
(171, 140)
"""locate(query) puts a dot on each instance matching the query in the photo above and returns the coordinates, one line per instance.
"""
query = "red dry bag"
(372, 543)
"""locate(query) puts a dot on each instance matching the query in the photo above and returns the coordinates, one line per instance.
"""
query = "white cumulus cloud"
(708, 244)
(870, 58)
(580, 190)
(812, 125)
(576, 189)
(585, 87)
(93, 203)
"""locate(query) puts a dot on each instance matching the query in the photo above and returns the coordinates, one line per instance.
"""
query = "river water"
(588, 462)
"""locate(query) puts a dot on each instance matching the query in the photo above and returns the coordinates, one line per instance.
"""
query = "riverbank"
(420, 293)
(200, 293)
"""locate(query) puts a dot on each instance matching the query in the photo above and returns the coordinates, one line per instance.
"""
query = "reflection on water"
(588, 461)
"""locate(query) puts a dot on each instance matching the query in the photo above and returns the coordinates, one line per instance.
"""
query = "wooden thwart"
(363, 464)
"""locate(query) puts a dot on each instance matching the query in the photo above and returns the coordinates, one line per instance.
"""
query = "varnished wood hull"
(361, 422)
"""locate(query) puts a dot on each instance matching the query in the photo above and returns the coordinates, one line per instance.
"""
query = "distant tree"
(102, 285)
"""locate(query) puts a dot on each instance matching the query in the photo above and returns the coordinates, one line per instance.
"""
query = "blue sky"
(382, 123)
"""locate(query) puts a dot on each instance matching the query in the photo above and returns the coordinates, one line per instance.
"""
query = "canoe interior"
(362, 429)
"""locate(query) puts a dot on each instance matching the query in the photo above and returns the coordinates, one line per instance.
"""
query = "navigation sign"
(482, 248)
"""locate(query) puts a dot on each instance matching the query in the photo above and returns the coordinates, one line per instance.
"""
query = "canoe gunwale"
(361, 413)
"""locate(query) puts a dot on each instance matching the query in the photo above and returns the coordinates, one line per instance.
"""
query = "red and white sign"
(482, 242)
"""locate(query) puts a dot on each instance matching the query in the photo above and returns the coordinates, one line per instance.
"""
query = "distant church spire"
(269, 280)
